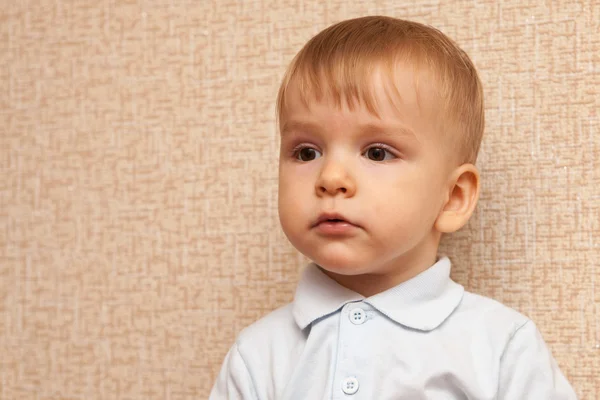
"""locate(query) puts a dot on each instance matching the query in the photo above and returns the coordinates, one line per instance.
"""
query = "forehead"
(403, 95)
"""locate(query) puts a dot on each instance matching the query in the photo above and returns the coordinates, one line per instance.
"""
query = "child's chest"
(361, 354)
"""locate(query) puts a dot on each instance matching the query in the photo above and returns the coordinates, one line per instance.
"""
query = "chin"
(339, 264)
(337, 257)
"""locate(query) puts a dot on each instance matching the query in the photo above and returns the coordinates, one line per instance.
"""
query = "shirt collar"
(421, 303)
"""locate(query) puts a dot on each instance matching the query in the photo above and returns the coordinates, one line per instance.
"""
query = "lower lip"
(335, 228)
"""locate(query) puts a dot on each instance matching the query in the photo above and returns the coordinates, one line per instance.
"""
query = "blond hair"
(340, 62)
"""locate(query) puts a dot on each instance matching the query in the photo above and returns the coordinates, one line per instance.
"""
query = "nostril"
(332, 190)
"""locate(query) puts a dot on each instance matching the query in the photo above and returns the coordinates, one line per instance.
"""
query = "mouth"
(330, 218)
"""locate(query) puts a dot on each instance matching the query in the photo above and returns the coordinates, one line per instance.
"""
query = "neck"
(389, 275)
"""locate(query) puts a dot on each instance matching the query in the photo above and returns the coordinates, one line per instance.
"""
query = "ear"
(461, 200)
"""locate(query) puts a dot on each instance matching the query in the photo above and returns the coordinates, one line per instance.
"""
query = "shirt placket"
(350, 380)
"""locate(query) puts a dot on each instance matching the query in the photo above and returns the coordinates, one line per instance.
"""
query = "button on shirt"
(424, 339)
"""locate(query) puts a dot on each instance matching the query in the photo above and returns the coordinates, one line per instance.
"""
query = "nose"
(334, 179)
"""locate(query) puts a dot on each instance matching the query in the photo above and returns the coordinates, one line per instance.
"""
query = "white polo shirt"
(424, 339)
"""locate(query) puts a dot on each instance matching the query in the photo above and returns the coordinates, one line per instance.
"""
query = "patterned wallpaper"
(138, 150)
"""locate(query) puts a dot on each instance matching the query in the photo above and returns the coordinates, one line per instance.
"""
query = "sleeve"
(528, 370)
(234, 381)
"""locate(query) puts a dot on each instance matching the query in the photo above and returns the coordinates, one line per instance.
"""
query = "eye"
(307, 154)
(378, 153)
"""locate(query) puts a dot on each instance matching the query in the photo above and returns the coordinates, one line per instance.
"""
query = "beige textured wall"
(138, 220)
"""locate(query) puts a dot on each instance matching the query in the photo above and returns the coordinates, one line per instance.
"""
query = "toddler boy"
(381, 120)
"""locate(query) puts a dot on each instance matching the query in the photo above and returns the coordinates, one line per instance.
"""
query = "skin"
(388, 175)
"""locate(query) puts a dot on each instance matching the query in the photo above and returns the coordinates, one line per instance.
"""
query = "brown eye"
(307, 154)
(378, 154)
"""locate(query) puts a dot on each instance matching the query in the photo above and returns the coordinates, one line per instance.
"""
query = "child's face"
(381, 180)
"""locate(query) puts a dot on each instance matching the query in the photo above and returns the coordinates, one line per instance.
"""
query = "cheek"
(297, 178)
(404, 198)
(295, 188)
(290, 183)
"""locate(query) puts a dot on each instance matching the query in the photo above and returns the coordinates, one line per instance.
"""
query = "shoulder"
(513, 347)
(492, 311)
(275, 331)
(488, 319)
(280, 318)
(249, 368)
(268, 348)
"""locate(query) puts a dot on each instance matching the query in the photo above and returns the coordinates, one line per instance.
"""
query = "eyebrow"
(369, 128)
(295, 125)
(389, 130)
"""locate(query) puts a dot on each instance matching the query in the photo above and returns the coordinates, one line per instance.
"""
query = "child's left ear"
(462, 199)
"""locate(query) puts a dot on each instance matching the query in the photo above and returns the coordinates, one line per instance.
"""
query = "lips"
(333, 219)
